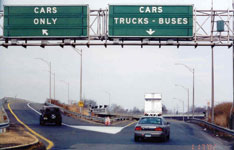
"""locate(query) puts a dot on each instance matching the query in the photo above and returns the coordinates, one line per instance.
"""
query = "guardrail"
(216, 127)
(4, 125)
(93, 118)
(97, 119)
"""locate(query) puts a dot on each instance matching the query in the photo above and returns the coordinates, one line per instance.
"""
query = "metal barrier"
(216, 127)
(93, 118)
(97, 119)
(4, 125)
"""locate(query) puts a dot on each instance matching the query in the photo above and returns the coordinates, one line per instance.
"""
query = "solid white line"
(33, 109)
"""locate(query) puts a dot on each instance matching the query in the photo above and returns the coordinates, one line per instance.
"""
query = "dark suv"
(50, 114)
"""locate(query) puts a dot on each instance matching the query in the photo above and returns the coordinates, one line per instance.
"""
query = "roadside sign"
(81, 104)
(45, 21)
(151, 21)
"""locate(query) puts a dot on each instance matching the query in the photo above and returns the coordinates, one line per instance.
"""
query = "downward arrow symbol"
(45, 32)
(150, 31)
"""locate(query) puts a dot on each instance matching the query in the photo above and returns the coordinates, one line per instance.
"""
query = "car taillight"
(138, 128)
(158, 129)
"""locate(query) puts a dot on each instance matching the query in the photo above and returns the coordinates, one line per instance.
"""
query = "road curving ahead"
(50, 143)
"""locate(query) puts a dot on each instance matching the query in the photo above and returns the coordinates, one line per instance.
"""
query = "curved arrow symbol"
(45, 32)
(150, 31)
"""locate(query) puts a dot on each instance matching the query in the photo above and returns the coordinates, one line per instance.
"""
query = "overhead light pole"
(183, 105)
(68, 92)
(79, 51)
(186, 89)
(192, 70)
(109, 94)
(53, 73)
(49, 65)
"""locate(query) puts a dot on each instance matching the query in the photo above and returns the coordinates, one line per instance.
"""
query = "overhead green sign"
(151, 21)
(45, 21)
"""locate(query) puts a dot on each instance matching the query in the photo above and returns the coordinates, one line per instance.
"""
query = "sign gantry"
(123, 25)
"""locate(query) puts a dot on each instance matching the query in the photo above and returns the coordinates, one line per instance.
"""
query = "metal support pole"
(80, 74)
(232, 65)
(54, 86)
(186, 89)
(81, 69)
(232, 76)
(183, 106)
(193, 72)
(68, 92)
(68, 86)
(212, 84)
(50, 80)
(193, 91)
(188, 100)
(109, 100)
(109, 94)
(81, 109)
(183, 110)
(54, 82)
(49, 65)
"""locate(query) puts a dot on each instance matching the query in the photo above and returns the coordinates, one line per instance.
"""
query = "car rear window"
(52, 110)
(151, 120)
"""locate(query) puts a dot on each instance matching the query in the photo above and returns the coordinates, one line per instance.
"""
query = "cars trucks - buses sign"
(151, 21)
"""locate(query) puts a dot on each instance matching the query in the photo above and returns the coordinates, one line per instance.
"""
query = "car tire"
(59, 123)
(164, 138)
(168, 137)
(42, 123)
(136, 138)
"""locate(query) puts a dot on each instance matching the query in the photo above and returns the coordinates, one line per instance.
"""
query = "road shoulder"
(17, 137)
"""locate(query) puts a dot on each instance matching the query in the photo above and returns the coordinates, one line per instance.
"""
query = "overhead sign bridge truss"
(206, 32)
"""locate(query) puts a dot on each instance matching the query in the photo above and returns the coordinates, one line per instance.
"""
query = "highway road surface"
(82, 135)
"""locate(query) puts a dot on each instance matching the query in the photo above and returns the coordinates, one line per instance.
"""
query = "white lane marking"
(102, 129)
(33, 109)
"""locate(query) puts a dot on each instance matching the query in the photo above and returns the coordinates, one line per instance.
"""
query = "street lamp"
(183, 105)
(49, 65)
(53, 73)
(79, 51)
(186, 89)
(68, 86)
(109, 94)
(192, 70)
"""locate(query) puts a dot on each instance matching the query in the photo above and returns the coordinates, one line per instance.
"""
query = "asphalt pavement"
(82, 135)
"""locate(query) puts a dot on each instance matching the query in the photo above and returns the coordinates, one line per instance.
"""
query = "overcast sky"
(127, 73)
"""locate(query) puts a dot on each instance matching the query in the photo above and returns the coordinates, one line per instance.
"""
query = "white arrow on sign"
(150, 31)
(45, 32)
